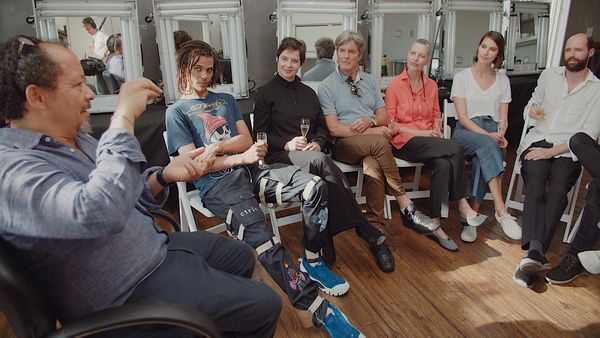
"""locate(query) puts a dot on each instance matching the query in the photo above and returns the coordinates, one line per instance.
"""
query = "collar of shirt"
(563, 71)
(17, 138)
(285, 83)
(343, 77)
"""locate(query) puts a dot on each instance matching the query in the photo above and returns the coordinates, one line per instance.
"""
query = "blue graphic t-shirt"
(202, 122)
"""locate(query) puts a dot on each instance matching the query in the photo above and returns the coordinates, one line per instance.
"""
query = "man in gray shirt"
(355, 115)
(74, 210)
(325, 65)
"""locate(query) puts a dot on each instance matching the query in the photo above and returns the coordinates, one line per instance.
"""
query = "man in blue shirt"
(74, 210)
(203, 118)
(324, 66)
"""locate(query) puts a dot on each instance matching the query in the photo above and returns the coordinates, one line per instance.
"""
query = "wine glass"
(261, 138)
(538, 111)
(304, 126)
(392, 125)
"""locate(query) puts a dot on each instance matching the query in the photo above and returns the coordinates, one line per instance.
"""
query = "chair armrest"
(139, 314)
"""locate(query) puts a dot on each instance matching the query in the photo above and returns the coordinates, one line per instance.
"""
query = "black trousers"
(588, 153)
(210, 273)
(445, 158)
(547, 184)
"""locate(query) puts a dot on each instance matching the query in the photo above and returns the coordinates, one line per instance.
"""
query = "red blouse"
(414, 110)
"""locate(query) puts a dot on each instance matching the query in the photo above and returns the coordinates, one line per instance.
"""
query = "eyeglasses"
(24, 42)
(353, 88)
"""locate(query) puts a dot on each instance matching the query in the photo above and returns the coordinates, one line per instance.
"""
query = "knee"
(267, 304)
(247, 259)
(579, 139)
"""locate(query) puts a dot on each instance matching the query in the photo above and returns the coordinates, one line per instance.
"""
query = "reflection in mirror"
(220, 23)
(527, 41)
(310, 28)
(468, 20)
(310, 20)
(394, 26)
(470, 26)
(399, 32)
(101, 61)
(208, 29)
(68, 21)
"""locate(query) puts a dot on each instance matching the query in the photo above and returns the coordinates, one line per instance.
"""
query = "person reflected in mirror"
(416, 123)
(325, 48)
(97, 48)
(181, 37)
(566, 101)
(280, 107)
(114, 74)
(79, 221)
(201, 118)
(481, 96)
(356, 118)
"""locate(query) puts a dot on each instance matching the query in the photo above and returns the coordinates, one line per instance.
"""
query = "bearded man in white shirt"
(566, 101)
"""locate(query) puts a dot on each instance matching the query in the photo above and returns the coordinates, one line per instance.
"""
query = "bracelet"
(123, 117)
(160, 178)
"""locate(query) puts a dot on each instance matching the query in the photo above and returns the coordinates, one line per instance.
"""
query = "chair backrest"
(27, 311)
(448, 111)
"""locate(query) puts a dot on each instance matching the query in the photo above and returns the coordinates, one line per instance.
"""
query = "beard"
(85, 127)
(579, 66)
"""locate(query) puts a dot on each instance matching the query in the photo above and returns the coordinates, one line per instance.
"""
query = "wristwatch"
(374, 121)
(161, 180)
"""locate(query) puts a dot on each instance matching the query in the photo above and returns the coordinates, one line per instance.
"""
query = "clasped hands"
(300, 143)
(365, 125)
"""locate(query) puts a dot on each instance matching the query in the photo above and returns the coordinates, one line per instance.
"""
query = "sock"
(311, 256)
(536, 245)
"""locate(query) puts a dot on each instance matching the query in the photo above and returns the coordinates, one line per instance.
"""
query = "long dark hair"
(499, 40)
(188, 55)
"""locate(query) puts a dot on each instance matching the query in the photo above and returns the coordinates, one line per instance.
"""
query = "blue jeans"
(487, 157)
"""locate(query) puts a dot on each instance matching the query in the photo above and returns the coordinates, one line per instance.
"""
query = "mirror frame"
(542, 10)
(377, 9)
(47, 10)
(287, 8)
(166, 14)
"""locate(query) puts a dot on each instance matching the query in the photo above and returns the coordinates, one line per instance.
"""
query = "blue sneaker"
(337, 324)
(329, 282)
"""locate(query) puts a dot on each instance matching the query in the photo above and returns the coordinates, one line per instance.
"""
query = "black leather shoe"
(383, 257)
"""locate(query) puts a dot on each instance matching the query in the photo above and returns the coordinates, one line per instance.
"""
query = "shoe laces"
(421, 218)
(324, 274)
(571, 262)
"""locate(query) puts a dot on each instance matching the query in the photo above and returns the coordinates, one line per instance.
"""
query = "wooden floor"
(437, 293)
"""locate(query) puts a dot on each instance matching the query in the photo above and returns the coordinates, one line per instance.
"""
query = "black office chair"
(31, 316)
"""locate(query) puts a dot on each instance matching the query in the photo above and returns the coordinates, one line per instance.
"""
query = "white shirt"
(565, 113)
(99, 41)
(481, 102)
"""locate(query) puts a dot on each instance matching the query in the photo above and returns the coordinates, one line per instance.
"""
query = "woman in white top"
(481, 96)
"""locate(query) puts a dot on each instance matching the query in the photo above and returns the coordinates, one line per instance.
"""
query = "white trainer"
(590, 261)
(469, 234)
(509, 225)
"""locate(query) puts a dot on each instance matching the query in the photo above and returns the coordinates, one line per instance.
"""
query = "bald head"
(578, 50)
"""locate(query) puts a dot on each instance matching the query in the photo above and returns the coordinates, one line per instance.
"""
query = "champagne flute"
(392, 125)
(261, 138)
(304, 126)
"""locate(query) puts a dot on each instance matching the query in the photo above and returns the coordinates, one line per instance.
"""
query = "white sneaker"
(590, 261)
(469, 234)
(509, 225)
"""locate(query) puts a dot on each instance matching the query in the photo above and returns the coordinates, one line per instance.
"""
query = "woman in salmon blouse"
(411, 100)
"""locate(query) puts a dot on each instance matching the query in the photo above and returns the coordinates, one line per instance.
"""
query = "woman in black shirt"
(279, 108)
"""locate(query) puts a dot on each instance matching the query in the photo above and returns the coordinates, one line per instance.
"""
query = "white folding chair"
(412, 188)
(515, 201)
(189, 200)
(450, 111)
